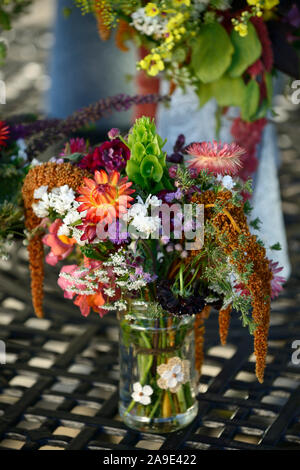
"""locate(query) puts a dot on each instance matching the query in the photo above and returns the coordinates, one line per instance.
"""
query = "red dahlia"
(4, 133)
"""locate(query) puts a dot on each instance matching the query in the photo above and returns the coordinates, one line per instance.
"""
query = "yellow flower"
(153, 64)
(242, 29)
(151, 9)
(269, 4)
(178, 3)
(265, 4)
(175, 21)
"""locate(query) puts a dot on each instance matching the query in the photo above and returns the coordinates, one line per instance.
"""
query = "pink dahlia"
(61, 246)
(215, 157)
(88, 284)
(277, 281)
(77, 145)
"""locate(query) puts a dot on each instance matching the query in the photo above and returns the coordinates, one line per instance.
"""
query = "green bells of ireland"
(147, 164)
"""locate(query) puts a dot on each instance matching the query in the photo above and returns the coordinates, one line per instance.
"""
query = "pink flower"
(277, 281)
(86, 283)
(61, 246)
(215, 157)
(113, 133)
(76, 145)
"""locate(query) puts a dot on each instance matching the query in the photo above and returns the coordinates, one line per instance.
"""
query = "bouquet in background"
(223, 49)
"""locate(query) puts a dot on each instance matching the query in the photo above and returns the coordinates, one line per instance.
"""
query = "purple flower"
(77, 145)
(177, 155)
(113, 133)
(173, 171)
(115, 233)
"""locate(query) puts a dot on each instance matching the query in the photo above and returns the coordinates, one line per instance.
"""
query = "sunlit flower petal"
(215, 157)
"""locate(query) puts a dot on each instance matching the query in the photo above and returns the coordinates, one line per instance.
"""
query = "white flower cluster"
(82, 285)
(226, 181)
(62, 201)
(118, 305)
(129, 278)
(137, 217)
(21, 144)
(148, 25)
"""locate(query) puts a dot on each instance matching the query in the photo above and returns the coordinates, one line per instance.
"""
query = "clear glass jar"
(158, 379)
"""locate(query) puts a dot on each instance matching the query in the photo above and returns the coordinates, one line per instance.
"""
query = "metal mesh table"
(58, 389)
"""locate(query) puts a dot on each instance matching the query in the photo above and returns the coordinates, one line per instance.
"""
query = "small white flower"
(40, 192)
(63, 230)
(173, 376)
(41, 209)
(35, 162)
(142, 394)
(109, 291)
(153, 201)
(21, 144)
(226, 181)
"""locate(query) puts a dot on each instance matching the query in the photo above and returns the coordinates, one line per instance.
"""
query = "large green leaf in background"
(211, 54)
(247, 50)
(251, 101)
(229, 91)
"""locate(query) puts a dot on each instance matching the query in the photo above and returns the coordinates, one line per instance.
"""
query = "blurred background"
(54, 66)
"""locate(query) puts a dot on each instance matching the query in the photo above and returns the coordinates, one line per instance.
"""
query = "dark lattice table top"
(58, 389)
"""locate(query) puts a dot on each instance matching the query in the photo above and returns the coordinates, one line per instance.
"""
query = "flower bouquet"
(162, 245)
(226, 50)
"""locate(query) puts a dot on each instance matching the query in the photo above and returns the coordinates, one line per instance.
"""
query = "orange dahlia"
(107, 196)
(215, 157)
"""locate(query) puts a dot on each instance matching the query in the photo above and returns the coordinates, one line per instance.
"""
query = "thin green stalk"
(156, 405)
(181, 399)
(172, 403)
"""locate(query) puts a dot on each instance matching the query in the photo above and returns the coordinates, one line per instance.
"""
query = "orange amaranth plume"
(51, 175)
(259, 281)
(224, 320)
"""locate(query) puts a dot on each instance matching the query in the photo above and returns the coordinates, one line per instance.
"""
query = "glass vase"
(158, 379)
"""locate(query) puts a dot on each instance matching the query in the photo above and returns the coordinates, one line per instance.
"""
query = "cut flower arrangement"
(102, 212)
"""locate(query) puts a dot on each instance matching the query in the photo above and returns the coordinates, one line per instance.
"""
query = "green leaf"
(262, 110)
(2, 52)
(153, 148)
(4, 20)
(211, 53)
(251, 100)
(269, 87)
(276, 246)
(179, 55)
(151, 168)
(247, 50)
(138, 151)
(73, 157)
(133, 172)
(229, 91)
(204, 92)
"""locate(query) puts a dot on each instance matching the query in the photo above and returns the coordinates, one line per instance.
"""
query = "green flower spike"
(147, 165)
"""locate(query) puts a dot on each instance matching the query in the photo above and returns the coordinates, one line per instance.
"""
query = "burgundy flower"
(111, 155)
(92, 161)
